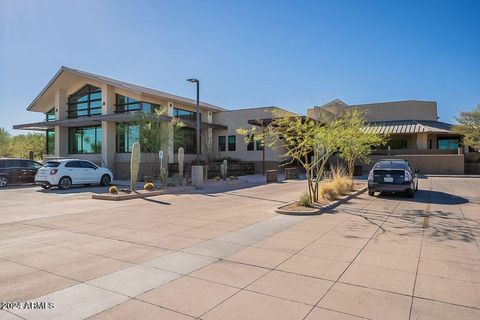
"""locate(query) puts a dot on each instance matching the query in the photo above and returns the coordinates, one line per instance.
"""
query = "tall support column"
(422, 140)
(170, 151)
(61, 133)
(108, 128)
(108, 144)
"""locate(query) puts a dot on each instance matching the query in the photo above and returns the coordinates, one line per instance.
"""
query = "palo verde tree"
(356, 143)
(303, 140)
(156, 130)
(469, 127)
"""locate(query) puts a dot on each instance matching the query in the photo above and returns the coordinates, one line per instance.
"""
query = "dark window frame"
(222, 143)
(97, 149)
(47, 142)
(50, 115)
(251, 143)
(449, 139)
(126, 147)
(131, 102)
(234, 144)
(91, 90)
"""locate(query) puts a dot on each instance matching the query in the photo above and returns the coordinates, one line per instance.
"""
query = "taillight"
(370, 175)
(53, 171)
(408, 176)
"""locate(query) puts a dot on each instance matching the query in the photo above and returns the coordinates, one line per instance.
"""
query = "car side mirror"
(417, 170)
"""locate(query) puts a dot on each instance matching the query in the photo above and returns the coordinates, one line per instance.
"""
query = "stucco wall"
(427, 164)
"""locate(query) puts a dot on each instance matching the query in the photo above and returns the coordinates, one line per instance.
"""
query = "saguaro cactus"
(134, 165)
(181, 157)
(223, 169)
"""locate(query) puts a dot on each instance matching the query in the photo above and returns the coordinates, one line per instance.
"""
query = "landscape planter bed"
(292, 208)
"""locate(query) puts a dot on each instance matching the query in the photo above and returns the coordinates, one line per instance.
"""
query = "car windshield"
(52, 164)
(391, 165)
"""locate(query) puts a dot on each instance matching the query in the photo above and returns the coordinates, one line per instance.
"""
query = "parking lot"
(227, 255)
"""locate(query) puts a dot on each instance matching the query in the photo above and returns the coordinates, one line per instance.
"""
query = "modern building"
(94, 117)
(414, 130)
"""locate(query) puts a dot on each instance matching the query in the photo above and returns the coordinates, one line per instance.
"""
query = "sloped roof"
(125, 85)
(407, 126)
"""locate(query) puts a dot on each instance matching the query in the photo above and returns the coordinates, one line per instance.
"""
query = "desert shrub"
(217, 178)
(328, 191)
(233, 178)
(342, 183)
(113, 190)
(304, 200)
(148, 186)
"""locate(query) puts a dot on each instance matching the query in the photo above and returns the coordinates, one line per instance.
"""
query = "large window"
(85, 140)
(448, 143)
(85, 102)
(50, 148)
(232, 143)
(50, 115)
(185, 114)
(222, 146)
(251, 143)
(127, 135)
(127, 104)
(185, 138)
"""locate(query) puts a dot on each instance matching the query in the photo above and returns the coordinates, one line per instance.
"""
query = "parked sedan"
(13, 171)
(67, 172)
(392, 176)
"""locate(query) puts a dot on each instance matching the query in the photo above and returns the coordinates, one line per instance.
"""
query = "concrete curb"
(321, 210)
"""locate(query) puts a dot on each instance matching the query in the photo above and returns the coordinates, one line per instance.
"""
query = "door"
(30, 170)
(89, 172)
(74, 171)
(12, 171)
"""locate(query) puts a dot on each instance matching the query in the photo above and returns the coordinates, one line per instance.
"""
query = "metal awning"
(97, 120)
(407, 126)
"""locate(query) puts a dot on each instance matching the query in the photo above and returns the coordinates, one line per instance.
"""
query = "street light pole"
(197, 118)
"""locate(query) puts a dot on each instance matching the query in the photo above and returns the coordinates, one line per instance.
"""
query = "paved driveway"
(227, 256)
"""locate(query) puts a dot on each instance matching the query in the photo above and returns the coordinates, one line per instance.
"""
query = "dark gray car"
(392, 175)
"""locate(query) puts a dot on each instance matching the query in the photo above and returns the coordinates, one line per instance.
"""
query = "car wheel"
(371, 193)
(46, 186)
(105, 181)
(65, 183)
(3, 181)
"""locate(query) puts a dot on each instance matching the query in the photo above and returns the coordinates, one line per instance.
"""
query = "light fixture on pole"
(197, 118)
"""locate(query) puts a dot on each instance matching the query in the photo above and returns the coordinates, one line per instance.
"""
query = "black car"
(392, 175)
(16, 171)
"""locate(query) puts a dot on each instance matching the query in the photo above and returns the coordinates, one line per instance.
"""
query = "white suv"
(65, 173)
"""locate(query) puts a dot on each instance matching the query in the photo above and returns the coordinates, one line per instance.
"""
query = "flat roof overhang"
(96, 120)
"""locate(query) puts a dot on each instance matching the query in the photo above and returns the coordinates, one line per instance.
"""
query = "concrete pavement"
(228, 256)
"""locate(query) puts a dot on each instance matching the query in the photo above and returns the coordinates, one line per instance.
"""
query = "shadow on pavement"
(429, 196)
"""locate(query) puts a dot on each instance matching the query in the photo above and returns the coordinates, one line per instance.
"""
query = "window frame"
(127, 146)
(234, 143)
(449, 139)
(98, 140)
(222, 143)
(126, 105)
(251, 143)
(91, 91)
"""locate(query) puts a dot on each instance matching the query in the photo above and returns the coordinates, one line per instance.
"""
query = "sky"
(291, 54)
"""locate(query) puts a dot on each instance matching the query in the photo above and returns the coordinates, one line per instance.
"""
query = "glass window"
(51, 164)
(221, 143)
(127, 135)
(50, 115)
(251, 143)
(85, 102)
(396, 144)
(185, 138)
(448, 143)
(50, 149)
(259, 145)
(185, 114)
(85, 140)
(87, 165)
(127, 104)
(73, 164)
(232, 143)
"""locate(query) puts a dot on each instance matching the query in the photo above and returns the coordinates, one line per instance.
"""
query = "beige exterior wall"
(386, 111)
(239, 119)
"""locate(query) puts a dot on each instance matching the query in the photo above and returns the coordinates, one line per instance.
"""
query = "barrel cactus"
(134, 165)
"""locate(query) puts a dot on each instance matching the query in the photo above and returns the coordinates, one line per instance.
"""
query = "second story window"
(186, 114)
(50, 115)
(127, 104)
(85, 102)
